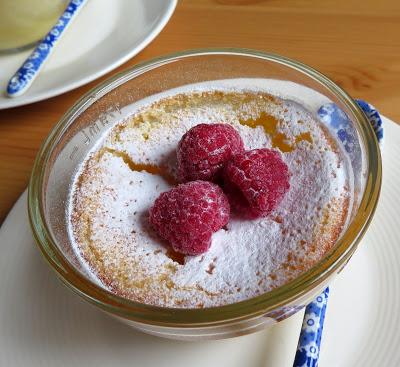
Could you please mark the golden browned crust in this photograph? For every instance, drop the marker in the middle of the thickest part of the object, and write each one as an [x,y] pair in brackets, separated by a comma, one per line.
[161,288]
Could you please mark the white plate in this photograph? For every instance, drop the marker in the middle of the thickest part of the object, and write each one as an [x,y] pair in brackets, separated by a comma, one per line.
[43,324]
[363,315]
[104,35]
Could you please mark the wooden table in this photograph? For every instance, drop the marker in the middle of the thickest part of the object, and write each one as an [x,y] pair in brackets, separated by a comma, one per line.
[354,42]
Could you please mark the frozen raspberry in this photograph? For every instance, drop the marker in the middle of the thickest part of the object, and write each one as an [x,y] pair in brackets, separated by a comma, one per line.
[187,216]
[204,149]
[256,181]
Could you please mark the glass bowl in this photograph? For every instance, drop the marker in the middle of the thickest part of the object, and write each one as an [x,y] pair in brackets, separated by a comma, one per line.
[76,133]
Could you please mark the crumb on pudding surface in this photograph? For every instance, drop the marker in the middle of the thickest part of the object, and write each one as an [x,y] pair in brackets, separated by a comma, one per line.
[136,161]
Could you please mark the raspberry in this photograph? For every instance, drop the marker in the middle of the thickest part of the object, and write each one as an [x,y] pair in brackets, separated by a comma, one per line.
[204,149]
[187,216]
[256,181]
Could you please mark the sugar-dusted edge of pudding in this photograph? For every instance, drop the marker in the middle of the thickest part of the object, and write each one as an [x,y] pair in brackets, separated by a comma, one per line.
[169,287]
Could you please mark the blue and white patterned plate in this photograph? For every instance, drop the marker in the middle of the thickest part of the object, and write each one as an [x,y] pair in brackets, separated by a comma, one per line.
[88,51]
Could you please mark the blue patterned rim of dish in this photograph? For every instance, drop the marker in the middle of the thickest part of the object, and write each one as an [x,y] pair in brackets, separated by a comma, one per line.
[307,353]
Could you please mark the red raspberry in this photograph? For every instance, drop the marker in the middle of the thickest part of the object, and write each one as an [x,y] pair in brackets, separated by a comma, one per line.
[204,149]
[256,181]
[187,216]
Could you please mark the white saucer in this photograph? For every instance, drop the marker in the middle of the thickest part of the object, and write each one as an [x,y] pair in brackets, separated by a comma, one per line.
[104,35]
[43,324]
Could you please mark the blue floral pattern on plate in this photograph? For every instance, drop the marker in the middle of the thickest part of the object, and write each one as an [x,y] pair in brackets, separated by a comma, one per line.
[26,74]
[307,353]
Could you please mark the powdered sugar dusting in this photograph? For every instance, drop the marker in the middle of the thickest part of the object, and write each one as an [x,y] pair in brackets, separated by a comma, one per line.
[110,202]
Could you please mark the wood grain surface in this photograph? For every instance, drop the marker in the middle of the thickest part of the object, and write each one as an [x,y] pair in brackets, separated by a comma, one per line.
[355,42]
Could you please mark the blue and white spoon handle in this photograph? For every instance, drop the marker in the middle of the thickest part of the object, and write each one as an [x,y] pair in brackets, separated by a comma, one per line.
[307,353]
[30,69]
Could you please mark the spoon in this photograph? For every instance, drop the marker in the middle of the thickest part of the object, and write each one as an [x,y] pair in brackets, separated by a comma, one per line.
[307,353]
[30,69]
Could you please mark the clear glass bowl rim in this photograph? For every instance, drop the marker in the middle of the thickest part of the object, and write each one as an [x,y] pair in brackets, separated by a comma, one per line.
[206,317]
